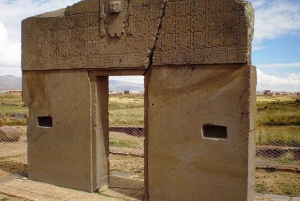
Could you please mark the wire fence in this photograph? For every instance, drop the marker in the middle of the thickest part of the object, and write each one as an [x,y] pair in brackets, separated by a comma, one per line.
[12,141]
[278,149]
[126,140]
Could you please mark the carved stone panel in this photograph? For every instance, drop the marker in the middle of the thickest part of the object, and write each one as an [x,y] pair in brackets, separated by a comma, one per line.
[210,27]
[185,28]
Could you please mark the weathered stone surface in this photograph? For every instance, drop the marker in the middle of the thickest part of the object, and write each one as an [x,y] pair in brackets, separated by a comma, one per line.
[87,35]
[277,197]
[205,32]
[182,163]
[62,154]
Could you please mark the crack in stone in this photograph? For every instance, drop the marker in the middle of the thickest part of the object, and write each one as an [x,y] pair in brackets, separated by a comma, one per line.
[37,138]
[151,52]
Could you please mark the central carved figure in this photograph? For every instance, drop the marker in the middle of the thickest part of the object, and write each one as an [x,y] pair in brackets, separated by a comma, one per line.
[115,6]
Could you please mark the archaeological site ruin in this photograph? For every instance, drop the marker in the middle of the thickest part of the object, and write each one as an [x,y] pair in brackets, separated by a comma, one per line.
[195,56]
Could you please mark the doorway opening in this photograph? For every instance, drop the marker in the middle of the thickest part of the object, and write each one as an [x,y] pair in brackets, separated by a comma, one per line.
[126,134]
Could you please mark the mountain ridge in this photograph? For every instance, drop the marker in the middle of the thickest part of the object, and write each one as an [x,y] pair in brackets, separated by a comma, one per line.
[10,82]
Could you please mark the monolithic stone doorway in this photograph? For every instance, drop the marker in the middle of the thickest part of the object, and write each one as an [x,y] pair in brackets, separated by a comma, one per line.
[199,94]
[102,127]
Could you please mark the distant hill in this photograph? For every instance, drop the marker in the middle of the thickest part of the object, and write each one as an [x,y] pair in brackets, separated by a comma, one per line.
[11,82]
[120,86]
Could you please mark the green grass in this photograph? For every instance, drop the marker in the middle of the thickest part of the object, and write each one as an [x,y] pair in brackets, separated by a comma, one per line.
[120,143]
[120,140]
[127,117]
[11,99]
[13,109]
[278,121]
[278,112]
[286,159]
[16,122]
[278,135]
[10,104]
[125,102]
[123,143]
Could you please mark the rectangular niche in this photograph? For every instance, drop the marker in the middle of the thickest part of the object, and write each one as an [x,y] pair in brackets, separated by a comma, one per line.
[214,132]
[45,122]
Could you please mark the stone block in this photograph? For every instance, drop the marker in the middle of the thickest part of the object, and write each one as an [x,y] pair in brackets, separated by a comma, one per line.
[88,35]
[60,133]
[184,162]
[277,197]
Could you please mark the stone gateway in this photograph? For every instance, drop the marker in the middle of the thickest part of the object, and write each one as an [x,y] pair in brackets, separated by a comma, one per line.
[200,104]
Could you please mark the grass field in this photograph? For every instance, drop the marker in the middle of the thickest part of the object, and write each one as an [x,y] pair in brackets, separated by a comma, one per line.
[278,136]
[117,102]
[126,110]
[278,117]
[278,111]
[122,140]
[278,121]
[278,183]
[11,104]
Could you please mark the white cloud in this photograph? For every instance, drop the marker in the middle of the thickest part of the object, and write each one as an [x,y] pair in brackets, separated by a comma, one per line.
[280,65]
[11,15]
[275,19]
[14,12]
[257,48]
[3,38]
[290,83]
[10,53]
[6,70]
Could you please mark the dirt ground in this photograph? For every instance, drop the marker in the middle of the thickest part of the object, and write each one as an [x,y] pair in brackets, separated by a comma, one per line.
[267,182]
[131,165]
[13,157]
[278,183]
[127,174]
[13,165]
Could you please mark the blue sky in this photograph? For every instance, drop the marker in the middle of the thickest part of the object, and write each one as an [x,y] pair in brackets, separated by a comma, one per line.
[276,44]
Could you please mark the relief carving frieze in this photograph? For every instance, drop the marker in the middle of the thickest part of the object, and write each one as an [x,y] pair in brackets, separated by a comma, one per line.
[131,33]
[210,27]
